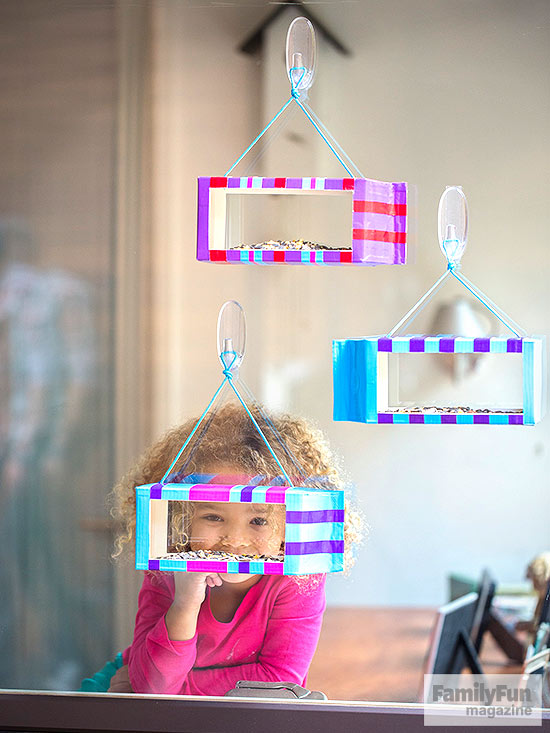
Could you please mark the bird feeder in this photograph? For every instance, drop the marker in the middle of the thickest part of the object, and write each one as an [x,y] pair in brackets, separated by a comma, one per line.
[185,522]
[304,220]
[368,371]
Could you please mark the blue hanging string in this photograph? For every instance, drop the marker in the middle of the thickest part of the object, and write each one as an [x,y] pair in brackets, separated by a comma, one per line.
[453,268]
[266,128]
[295,96]
[192,433]
[228,379]
[494,309]
[321,133]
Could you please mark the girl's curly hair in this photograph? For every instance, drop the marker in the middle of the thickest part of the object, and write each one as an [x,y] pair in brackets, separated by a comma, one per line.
[232,444]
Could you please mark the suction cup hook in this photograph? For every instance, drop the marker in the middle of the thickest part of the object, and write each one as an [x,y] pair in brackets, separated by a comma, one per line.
[452,224]
[231,335]
[301,55]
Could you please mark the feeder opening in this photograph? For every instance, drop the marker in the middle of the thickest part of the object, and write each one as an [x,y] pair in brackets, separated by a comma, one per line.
[217,531]
[281,220]
[451,383]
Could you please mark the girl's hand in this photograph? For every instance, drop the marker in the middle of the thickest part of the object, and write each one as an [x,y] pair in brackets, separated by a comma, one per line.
[181,618]
[191,588]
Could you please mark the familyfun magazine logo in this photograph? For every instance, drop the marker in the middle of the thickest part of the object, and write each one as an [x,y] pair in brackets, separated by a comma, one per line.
[498,699]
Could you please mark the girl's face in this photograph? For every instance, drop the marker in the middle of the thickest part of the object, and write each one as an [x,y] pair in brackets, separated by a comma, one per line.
[240,529]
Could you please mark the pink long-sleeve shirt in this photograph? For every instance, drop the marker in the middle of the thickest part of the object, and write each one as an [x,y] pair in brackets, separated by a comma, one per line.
[272,637]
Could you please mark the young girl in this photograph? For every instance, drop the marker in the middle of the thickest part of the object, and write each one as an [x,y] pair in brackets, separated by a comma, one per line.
[199,633]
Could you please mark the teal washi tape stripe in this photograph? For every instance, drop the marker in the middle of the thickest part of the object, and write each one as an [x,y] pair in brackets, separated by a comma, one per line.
[256,566]
[464,419]
[232,566]
[256,182]
[173,493]
[258,494]
[314,532]
[319,184]
[321,563]
[464,346]
[258,255]
[401,345]
[244,256]
[432,419]
[400,419]
[243,182]
[498,420]
[498,345]
[528,382]
[172,565]
[431,345]
[311,502]
[235,493]
[305,256]
[142,528]
[306,183]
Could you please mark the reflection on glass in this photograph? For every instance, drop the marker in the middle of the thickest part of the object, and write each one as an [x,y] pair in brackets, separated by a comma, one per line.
[55,350]
[224,531]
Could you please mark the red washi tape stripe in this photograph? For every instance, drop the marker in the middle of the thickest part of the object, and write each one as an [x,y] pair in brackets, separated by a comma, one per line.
[377,207]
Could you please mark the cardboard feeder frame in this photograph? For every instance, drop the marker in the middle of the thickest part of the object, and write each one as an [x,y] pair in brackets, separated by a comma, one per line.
[314,528]
[362,385]
[378,231]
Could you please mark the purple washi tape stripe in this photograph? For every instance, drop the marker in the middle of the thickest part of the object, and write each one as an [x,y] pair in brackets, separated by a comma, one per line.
[481,345]
[384,418]
[268,183]
[515,419]
[313,548]
[380,191]
[334,184]
[203,197]
[446,346]
[207,566]
[233,255]
[417,345]
[233,182]
[384,344]
[400,253]
[400,193]
[246,493]
[155,491]
[416,419]
[372,252]
[331,256]
[275,495]
[268,256]
[359,220]
[360,190]
[481,420]
[380,222]
[317,515]
[293,256]
[448,419]
[273,568]
[244,567]
[514,346]
[294,183]
[154,564]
